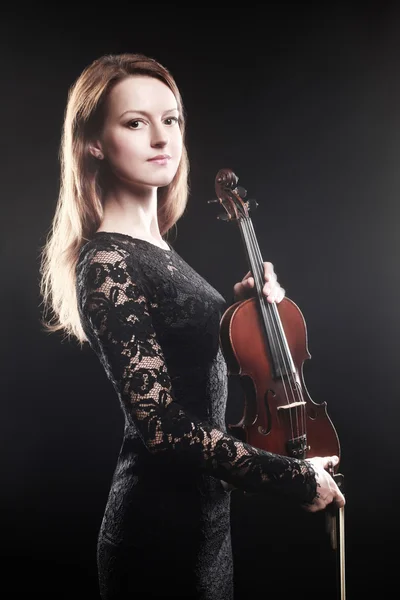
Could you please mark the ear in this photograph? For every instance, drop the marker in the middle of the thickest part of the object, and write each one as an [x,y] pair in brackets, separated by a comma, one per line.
[96,150]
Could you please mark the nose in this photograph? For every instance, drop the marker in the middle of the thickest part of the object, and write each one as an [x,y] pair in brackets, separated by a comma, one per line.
[159,137]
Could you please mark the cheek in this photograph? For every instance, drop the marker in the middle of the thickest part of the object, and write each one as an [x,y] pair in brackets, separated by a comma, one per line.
[178,145]
[120,146]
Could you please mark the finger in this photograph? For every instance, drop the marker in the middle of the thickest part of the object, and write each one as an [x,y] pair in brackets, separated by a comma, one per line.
[246,276]
[340,499]
[336,495]
[269,272]
[326,499]
[269,294]
[267,289]
[280,295]
[273,293]
[330,461]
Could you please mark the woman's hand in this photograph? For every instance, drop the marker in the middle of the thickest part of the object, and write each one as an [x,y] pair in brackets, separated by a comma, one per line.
[328,490]
[272,291]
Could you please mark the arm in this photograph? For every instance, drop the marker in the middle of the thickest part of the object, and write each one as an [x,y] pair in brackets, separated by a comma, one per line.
[115,313]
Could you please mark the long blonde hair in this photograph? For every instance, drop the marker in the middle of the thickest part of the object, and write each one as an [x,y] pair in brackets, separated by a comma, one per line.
[79,209]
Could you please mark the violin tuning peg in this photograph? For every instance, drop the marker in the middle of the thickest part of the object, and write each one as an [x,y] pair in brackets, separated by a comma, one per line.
[241,191]
[223,217]
[212,201]
[252,203]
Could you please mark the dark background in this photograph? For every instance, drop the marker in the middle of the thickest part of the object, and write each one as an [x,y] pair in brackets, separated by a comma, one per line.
[303,103]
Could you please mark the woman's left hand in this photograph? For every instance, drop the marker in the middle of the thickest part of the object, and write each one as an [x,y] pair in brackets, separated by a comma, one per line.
[272,291]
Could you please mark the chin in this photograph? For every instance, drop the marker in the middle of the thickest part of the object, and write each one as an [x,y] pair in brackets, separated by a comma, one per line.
[164,181]
[160,180]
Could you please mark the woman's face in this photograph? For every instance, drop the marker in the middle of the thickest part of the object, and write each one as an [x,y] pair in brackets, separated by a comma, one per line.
[141,124]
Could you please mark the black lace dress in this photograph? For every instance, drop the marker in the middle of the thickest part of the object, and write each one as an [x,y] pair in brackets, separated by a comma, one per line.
[154,324]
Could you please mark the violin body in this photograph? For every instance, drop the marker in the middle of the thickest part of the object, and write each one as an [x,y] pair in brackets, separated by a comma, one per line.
[270,421]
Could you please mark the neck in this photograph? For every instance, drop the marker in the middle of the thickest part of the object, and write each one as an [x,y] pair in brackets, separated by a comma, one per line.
[131,211]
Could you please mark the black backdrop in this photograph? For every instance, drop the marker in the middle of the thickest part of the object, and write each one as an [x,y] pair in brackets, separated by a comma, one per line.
[302,102]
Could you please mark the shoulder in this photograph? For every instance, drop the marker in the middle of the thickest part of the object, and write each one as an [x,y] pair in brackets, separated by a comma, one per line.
[101,249]
[103,261]
[106,253]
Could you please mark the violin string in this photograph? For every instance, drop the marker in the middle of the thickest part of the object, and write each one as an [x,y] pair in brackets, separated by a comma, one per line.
[266,306]
[297,393]
[276,327]
[274,340]
[287,362]
[295,387]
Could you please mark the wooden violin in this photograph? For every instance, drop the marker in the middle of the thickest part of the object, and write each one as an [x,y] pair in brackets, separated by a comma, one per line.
[266,345]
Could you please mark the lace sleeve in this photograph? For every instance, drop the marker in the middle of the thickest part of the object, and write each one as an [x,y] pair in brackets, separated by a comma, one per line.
[115,311]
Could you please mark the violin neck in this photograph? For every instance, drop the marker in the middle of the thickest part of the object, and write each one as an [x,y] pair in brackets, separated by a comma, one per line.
[281,358]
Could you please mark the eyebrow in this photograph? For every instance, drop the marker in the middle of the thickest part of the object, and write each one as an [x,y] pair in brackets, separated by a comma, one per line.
[146,114]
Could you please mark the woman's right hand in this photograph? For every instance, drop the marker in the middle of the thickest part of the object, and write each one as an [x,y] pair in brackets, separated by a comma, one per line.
[327,487]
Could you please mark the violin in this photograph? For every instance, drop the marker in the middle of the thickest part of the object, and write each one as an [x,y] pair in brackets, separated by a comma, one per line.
[266,345]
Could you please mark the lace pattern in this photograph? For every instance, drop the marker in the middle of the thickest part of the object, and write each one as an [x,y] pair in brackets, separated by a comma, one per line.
[152,321]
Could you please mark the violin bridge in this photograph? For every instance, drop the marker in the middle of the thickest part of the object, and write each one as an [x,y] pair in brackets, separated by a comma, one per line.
[291,405]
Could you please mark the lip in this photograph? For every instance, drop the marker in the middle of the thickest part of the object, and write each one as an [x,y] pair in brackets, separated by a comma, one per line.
[161,158]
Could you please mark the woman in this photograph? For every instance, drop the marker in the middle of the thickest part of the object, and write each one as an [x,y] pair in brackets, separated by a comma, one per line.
[112,280]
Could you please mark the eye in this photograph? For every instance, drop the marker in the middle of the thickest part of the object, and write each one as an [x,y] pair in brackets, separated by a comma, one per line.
[135,124]
[171,120]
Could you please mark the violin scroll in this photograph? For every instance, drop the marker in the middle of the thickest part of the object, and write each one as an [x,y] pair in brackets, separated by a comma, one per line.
[231,195]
